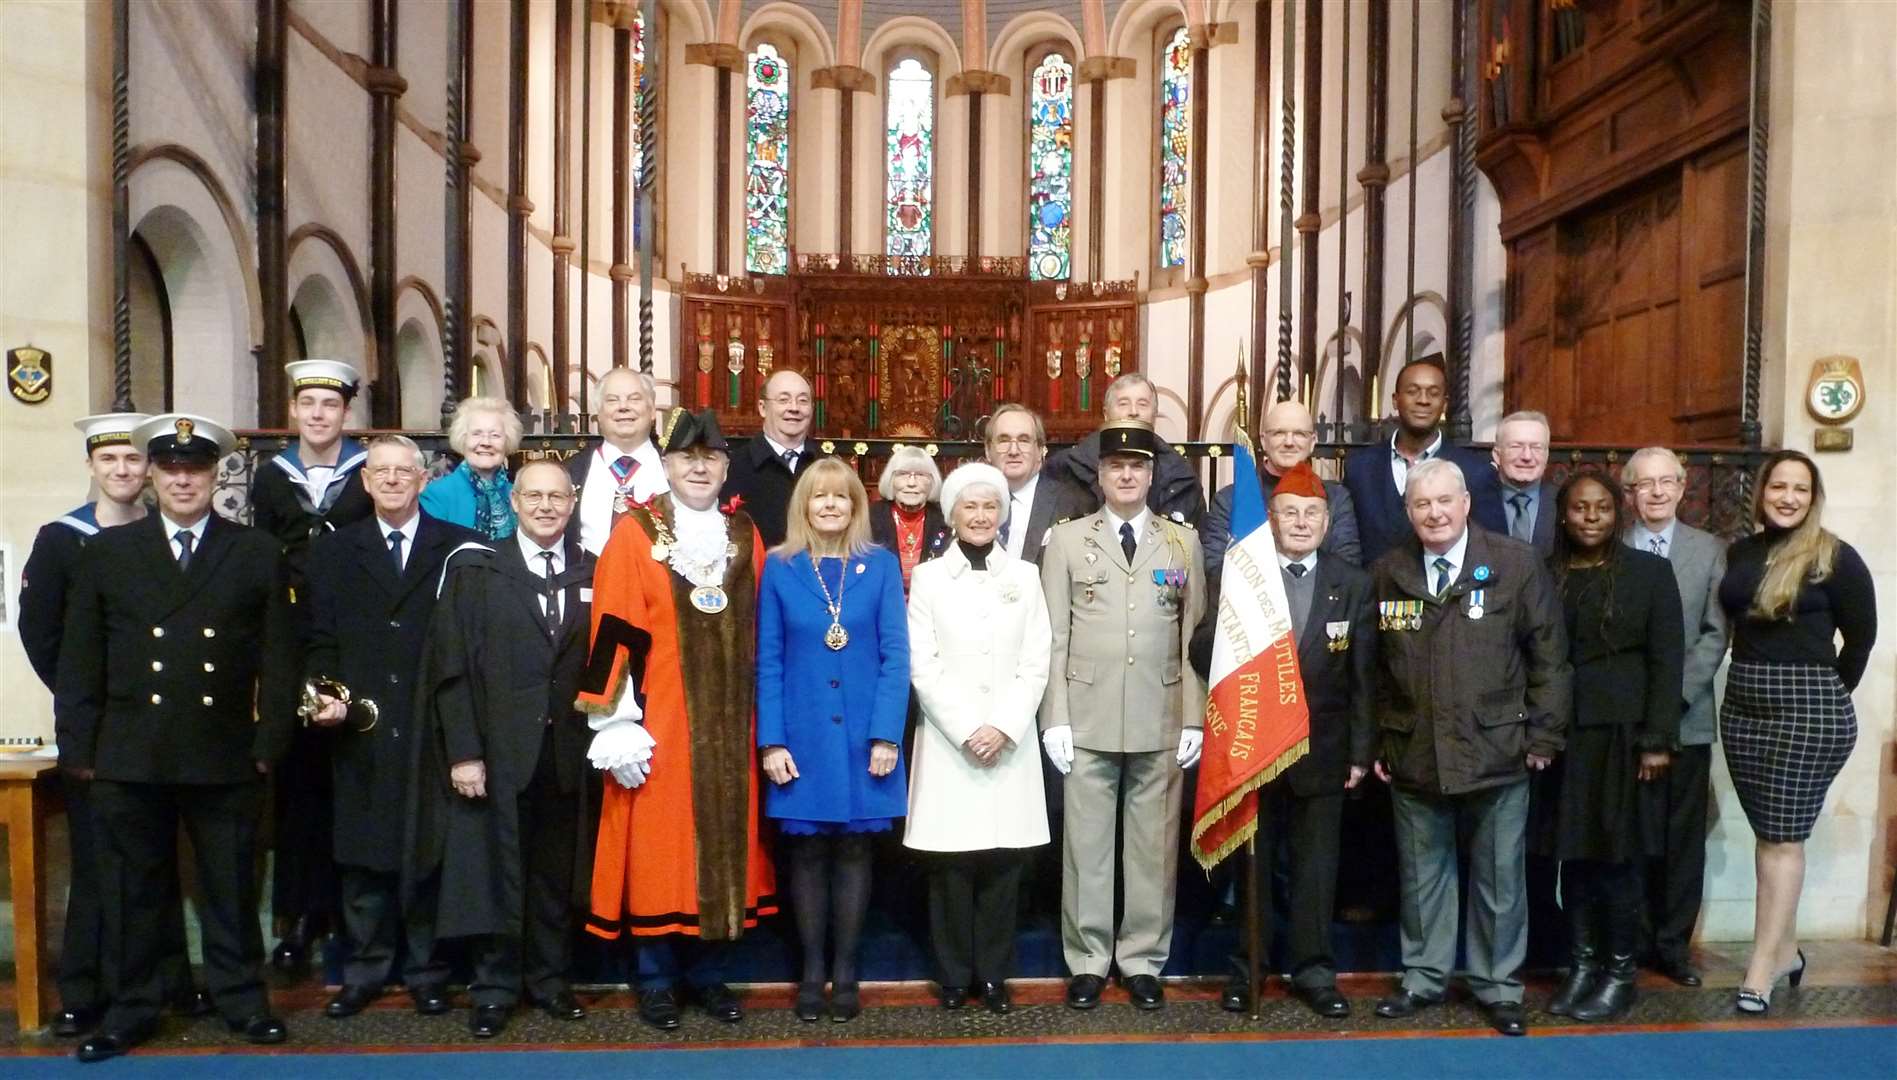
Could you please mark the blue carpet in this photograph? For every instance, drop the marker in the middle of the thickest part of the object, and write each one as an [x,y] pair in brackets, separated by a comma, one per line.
[1831,1053]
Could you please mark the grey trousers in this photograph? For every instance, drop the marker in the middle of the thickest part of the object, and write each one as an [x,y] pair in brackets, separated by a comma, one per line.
[1489,826]
[1149,821]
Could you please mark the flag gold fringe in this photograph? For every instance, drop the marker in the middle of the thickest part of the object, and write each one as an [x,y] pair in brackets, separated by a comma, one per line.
[1292,755]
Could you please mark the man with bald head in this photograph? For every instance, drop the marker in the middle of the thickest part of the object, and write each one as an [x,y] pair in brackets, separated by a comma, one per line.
[763,471]
[623,470]
[1285,442]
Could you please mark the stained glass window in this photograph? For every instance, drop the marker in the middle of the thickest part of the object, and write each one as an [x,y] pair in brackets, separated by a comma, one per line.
[767,163]
[1051,168]
[1175,145]
[909,136]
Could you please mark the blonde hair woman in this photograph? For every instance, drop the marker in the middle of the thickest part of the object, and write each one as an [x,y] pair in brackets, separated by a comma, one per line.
[1788,724]
[478,494]
[832,691]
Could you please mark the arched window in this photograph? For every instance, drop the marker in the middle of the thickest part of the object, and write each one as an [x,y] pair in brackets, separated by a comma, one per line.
[1175,146]
[909,160]
[767,162]
[1051,168]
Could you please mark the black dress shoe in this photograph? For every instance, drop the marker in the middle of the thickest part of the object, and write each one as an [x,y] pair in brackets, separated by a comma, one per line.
[194,1003]
[1507,1017]
[72,1023]
[719,1003]
[292,954]
[809,1003]
[1146,992]
[102,1045]
[1403,1003]
[487,1021]
[995,998]
[1679,969]
[1083,991]
[1236,997]
[349,1001]
[1325,1001]
[846,1003]
[954,997]
[659,1008]
[262,1029]
[430,1000]
[562,1005]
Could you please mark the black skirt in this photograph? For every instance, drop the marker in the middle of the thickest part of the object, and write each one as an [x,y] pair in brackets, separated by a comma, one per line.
[1787,729]
[1586,805]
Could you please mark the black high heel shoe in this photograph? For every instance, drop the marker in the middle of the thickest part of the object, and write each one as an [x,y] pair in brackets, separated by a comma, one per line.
[1759,1002]
[809,1002]
[1797,974]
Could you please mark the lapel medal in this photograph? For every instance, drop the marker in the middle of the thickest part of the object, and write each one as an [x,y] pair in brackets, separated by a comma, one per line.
[710,599]
[1339,635]
[1475,602]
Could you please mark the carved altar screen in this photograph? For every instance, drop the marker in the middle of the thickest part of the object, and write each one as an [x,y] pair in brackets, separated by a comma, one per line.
[905,352]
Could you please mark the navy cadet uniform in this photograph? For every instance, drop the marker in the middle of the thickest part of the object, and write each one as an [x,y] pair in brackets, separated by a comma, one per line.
[297,502]
[177,677]
[44,585]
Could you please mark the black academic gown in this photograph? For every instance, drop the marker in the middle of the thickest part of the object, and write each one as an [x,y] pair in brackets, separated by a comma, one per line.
[491,677]
[367,630]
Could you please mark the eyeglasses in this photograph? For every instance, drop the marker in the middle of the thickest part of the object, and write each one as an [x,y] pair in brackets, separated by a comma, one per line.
[908,474]
[1663,483]
[1010,442]
[393,472]
[532,499]
[1290,433]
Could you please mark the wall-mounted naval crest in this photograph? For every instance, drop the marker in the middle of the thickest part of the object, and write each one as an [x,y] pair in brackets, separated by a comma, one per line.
[30,374]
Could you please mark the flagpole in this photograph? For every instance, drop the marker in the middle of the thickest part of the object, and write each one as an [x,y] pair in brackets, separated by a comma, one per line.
[1253,948]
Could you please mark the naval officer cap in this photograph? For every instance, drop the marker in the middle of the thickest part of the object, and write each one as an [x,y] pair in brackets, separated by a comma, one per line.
[108,429]
[685,429]
[323,375]
[1134,437]
[183,439]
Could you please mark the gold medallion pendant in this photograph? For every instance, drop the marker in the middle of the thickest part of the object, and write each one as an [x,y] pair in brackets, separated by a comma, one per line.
[836,637]
[709,599]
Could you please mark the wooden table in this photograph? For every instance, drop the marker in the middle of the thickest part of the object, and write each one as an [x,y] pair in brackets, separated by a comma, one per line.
[23,811]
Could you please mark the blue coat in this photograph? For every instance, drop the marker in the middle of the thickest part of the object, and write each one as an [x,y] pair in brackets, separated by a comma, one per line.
[451,499]
[826,706]
[1382,522]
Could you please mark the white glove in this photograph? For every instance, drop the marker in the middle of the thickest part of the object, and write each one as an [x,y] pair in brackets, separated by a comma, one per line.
[623,748]
[1190,740]
[1059,743]
[627,709]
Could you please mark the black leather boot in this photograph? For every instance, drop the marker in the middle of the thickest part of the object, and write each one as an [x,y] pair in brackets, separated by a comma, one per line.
[1584,965]
[1613,993]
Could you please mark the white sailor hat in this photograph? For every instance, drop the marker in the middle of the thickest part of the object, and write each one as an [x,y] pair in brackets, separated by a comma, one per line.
[323,375]
[108,429]
[183,438]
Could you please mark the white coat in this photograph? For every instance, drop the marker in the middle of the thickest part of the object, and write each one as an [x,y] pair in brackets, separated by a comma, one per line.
[979,643]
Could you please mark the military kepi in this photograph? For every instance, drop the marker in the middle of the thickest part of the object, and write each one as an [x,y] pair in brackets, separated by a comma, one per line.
[183,439]
[685,429]
[323,375]
[1128,437]
[108,429]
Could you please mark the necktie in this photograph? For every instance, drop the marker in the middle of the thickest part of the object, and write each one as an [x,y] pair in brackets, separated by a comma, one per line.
[1443,567]
[550,596]
[1014,507]
[790,460]
[185,539]
[1127,543]
[1657,545]
[624,468]
[1518,526]
[1297,569]
[622,479]
[395,550]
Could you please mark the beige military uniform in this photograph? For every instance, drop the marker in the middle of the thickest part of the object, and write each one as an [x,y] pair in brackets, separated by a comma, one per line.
[1120,679]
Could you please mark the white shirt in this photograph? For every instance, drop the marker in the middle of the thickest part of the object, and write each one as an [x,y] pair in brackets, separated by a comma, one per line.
[1456,553]
[1309,562]
[1020,508]
[1114,521]
[533,553]
[172,529]
[1400,465]
[780,449]
[600,487]
[1643,537]
[408,529]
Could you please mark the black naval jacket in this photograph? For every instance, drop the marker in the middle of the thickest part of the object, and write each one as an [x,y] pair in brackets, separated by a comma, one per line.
[281,506]
[169,676]
[44,583]
[367,629]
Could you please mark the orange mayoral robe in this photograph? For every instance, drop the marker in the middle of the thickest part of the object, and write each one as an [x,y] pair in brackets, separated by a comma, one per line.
[680,854]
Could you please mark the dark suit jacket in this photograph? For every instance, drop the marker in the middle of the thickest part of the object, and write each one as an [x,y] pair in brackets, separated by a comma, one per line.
[1215,532]
[936,535]
[168,676]
[1627,665]
[760,477]
[44,583]
[1382,522]
[1547,516]
[367,629]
